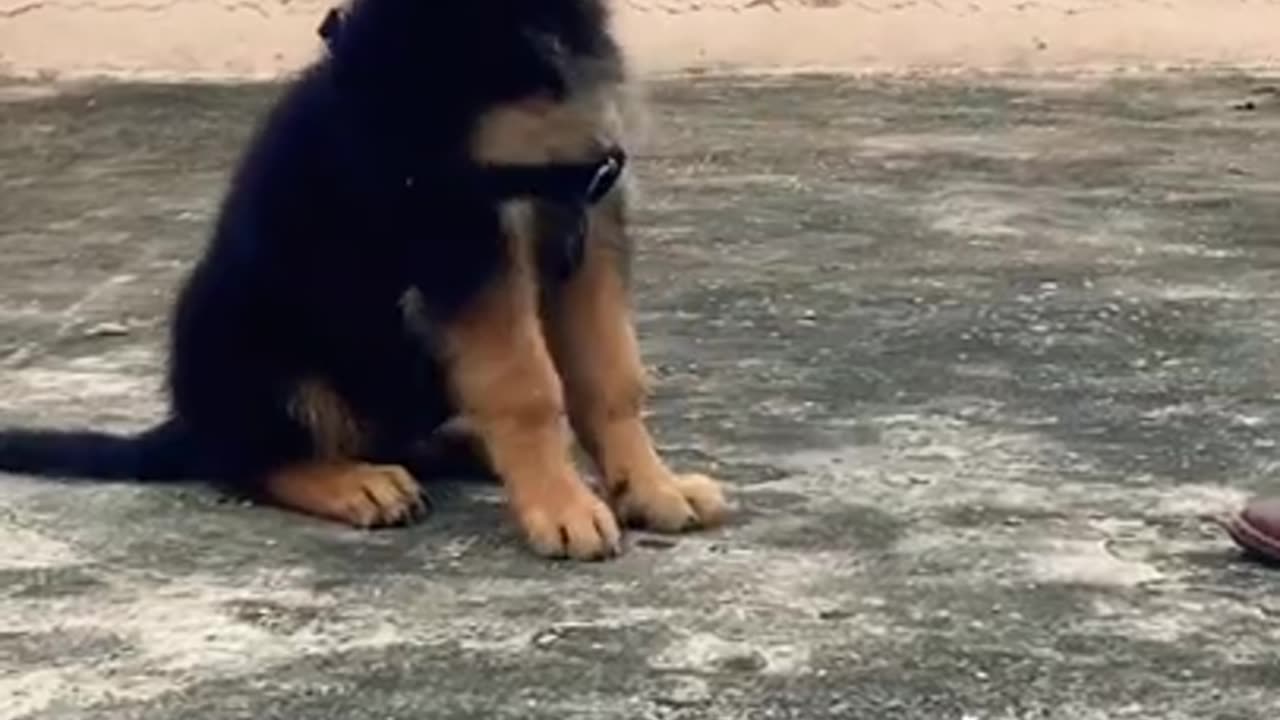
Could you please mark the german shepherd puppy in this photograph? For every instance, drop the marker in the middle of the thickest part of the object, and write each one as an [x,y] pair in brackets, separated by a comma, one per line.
[364,286]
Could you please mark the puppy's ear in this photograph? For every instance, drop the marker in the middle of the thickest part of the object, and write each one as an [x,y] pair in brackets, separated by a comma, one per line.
[330,26]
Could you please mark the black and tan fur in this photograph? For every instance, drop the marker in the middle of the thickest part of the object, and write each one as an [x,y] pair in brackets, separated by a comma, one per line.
[361,290]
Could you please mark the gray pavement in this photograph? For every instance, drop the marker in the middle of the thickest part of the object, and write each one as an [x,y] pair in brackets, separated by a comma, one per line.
[975,357]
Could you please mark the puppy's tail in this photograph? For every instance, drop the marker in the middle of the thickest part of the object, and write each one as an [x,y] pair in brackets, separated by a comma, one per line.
[164,452]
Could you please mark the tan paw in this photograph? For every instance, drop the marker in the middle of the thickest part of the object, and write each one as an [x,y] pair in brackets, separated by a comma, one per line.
[673,504]
[364,496]
[574,523]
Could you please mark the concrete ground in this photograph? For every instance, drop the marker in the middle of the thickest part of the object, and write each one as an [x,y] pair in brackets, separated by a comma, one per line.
[975,357]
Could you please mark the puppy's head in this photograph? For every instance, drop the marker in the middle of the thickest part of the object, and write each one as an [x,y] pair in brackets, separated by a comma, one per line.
[476,52]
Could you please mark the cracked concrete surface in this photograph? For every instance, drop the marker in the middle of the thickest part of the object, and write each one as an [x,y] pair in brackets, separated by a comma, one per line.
[976,357]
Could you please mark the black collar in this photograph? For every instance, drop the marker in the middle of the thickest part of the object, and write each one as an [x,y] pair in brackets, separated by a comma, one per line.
[584,183]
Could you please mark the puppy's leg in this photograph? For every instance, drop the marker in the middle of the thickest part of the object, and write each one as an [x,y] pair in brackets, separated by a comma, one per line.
[595,347]
[333,485]
[506,386]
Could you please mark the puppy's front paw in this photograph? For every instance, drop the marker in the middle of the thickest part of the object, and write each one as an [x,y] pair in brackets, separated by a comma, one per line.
[573,523]
[671,503]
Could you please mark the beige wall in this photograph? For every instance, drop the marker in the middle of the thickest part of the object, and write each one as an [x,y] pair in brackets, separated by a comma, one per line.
[262,38]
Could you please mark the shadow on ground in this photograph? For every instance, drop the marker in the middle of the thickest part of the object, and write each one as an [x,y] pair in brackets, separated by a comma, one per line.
[976,357]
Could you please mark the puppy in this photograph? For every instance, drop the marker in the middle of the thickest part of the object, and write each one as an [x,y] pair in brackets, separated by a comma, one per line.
[379,267]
